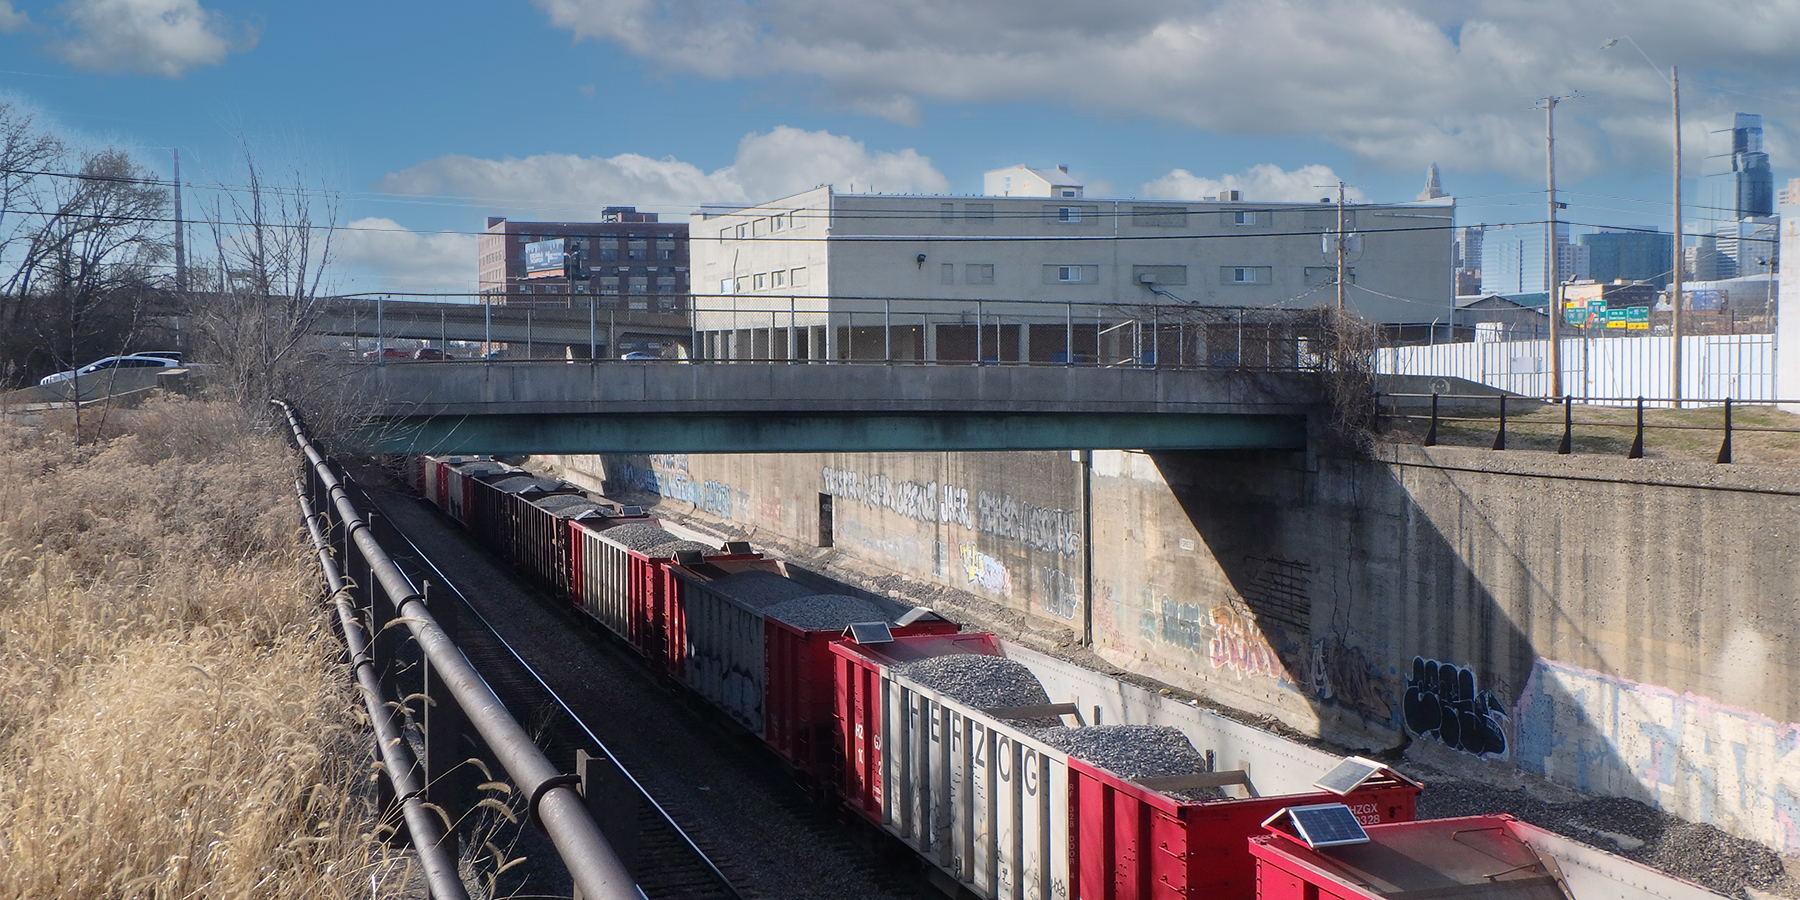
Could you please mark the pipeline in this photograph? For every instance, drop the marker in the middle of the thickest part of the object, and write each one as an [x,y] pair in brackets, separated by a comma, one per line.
[555,804]
[397,758]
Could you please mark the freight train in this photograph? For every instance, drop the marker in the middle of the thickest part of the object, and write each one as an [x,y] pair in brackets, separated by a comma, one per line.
[1012,773]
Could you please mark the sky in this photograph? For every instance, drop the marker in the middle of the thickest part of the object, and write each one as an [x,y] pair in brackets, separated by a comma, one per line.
[417,121]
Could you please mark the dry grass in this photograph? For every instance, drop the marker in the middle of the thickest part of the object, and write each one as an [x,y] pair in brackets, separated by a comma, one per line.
[1684,434]
[174,717]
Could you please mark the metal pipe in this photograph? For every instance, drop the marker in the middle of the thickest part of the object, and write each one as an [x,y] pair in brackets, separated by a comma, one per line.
[559,809]
[397,757]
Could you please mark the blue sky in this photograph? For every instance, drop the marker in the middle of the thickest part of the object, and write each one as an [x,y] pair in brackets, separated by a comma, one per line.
[427,118]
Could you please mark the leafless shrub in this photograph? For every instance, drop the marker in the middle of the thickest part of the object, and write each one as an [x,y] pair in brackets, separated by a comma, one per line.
[1345,352]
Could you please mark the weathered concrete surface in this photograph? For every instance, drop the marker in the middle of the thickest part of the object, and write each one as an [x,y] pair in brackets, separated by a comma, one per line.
[1626,628]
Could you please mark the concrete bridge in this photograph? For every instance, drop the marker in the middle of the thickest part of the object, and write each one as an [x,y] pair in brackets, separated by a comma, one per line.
[584,322]
[667,407]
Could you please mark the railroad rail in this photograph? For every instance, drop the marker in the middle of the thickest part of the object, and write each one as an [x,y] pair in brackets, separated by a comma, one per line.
[371,588]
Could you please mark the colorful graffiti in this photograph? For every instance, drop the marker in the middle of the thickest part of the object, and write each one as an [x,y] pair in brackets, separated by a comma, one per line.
[1238,644]
[986,572]
[1446,702]
[1686,754]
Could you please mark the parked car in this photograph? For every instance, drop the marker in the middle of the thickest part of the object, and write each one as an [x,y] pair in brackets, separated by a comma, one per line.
[430,353]
[388,353]
[642,356]
[112,362]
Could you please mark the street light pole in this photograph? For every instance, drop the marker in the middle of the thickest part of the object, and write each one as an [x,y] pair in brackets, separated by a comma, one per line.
[1675,293]
[1553,281]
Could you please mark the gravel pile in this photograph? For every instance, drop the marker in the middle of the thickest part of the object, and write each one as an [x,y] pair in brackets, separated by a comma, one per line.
[670,548]
[638,536]
[826,612]
[984,682]
[1132,751]
[568,505]
[1697,852]
[757,588]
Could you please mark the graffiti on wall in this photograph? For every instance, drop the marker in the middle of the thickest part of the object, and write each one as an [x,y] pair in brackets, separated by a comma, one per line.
[986,572]
[1689,755]
[1000,515]
[1343,675]
[667,477]
[1037,527]
[1446,702]
[1059,593]
[1238,644]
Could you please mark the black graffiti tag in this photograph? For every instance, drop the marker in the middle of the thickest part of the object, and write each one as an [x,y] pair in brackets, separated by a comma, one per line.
[1443,701]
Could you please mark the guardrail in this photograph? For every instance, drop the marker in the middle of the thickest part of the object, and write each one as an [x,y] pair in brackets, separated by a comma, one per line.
[1566,446]
[370,588]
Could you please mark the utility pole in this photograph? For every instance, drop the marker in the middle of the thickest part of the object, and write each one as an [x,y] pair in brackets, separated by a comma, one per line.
[1340,248]
[1553,279]
[1675,292]
[181,282]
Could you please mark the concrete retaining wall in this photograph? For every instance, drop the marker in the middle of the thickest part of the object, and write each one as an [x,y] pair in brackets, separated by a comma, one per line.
[1624,628]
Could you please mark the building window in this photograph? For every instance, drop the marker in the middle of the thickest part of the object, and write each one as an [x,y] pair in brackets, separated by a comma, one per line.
[725,285]
[979,273]
[1244,275]
[665,284]
[609,284]
[978,212]
[1244,217]
[760,282]
[779,278]
[1071,274]
[1070,214]
[778,223]
[666,254]
[798,276]
[947,212]
[640,284]
[724,235]
[743,230]
[1068,192]
[606,254]
[638,249]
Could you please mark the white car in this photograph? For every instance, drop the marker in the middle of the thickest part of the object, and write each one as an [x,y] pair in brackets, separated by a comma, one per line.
[113,362]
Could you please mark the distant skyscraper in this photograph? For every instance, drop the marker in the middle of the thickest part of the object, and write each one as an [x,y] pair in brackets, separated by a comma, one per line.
[1631,255]
[1744,185]
[1515,259]
[1432,191]
[1468,259]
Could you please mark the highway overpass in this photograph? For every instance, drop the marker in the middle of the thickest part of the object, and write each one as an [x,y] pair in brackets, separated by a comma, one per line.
[655,407]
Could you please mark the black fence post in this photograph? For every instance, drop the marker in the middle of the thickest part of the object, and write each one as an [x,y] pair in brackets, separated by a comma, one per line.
[613,802]
[1725,448]
[1637,444]
[1431,435]
[1500,436]
[1568,439]
[448,783]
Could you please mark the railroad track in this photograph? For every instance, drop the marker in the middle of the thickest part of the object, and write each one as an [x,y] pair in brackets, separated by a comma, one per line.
[688,844]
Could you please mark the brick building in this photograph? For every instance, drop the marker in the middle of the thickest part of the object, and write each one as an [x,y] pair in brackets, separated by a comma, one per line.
[630,262]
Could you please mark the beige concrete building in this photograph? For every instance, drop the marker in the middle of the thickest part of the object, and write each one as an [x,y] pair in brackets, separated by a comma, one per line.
[823,274]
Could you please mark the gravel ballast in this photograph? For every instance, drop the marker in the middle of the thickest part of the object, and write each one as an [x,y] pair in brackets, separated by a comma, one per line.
[826,612]
[1132,751]
[638,536]
[984,682]
[757,589]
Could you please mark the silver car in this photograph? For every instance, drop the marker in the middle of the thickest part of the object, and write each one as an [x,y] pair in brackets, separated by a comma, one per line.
[112,362]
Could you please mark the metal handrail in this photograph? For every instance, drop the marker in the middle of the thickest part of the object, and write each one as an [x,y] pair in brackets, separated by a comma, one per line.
[555,804]
[397,758]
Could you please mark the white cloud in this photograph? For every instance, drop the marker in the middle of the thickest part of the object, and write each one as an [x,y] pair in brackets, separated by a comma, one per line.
[11,20]
[1398,82]
[150,37]
[408,259]
[781,162]
[1263,183]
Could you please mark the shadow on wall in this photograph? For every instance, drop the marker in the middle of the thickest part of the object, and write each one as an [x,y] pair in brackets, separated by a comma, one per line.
[1345,594]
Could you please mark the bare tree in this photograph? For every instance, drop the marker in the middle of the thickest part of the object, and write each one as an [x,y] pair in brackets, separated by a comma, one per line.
[272,252]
